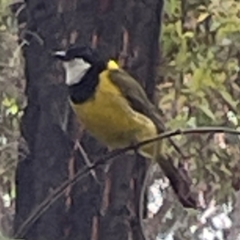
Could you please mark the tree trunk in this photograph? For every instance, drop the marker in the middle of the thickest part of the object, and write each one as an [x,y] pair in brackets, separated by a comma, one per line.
[103,209]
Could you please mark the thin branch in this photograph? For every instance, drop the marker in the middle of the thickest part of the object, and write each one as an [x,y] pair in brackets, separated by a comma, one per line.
[198,130]
[86,159]
[36,36]
[58,192]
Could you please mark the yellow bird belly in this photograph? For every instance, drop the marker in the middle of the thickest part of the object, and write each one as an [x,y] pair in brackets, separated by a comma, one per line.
[110,119]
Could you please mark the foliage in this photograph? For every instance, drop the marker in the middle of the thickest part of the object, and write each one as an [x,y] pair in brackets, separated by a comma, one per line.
[11,98]
[200,86]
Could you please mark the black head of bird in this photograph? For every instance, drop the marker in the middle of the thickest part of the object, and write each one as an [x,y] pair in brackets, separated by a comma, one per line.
[77,61]
[86,53]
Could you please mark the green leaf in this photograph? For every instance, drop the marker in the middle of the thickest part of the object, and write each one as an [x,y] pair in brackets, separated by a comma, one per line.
[228,98]
[178,27]
[188,34]
[14,109]
[7,102]
[192,122]
[197,77]
[207,111]
[224,169]
[202,17]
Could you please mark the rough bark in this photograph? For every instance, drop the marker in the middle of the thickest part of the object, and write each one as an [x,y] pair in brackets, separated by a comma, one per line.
[124,29]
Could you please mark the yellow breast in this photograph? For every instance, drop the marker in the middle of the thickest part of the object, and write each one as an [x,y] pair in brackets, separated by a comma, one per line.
[110,119]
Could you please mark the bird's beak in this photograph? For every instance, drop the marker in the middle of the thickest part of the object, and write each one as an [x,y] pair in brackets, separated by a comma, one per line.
[61,55]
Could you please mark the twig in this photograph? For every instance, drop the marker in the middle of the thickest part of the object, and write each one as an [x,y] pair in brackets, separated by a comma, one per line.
[86,159]
[57,193]
[198,130]
[36,36]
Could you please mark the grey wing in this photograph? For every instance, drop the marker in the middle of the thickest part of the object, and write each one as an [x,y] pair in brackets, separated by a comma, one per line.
[136,96]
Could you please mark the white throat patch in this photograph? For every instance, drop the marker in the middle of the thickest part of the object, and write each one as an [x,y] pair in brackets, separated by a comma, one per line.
[75,70]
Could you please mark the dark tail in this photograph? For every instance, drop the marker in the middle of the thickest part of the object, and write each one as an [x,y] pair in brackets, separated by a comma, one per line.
[180,182]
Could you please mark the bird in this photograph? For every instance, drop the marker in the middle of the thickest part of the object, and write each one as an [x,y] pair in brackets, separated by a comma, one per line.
[115,109]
